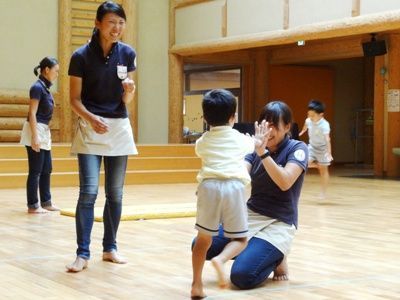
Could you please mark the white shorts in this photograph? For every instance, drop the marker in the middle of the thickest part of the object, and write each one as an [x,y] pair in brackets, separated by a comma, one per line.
[222,201]
[319,155]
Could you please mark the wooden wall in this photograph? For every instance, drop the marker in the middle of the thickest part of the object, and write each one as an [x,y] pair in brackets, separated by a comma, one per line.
[297,85]
[76,23]
[338,37]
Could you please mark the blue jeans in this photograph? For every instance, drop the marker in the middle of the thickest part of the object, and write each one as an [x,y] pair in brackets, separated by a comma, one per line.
[89,173]
[40,168]
[253,265]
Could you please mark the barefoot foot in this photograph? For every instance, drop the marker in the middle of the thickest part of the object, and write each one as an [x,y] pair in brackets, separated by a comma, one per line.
[38,210]
[51,208]
[78,265]
[281,272]
[219,267]
[114,257]
[197,292]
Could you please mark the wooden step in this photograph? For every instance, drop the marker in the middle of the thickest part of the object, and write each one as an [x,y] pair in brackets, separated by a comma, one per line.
[61,150]
[20,165]
[14,110]
[62,179]
[172,163]
[14,97]
[9,136]
[11,123]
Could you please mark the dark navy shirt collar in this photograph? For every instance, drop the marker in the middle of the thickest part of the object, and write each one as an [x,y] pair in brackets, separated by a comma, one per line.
[47,84]
[95,45]
[282,145]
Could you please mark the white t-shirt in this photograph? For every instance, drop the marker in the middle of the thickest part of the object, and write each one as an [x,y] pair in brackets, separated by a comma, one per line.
[222,151]
[317,132]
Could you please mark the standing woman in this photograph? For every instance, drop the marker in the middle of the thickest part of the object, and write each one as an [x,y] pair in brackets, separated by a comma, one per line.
[36,137]
[101,86]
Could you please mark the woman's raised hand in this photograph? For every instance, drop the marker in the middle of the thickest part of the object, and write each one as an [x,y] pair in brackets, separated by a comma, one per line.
[261,135]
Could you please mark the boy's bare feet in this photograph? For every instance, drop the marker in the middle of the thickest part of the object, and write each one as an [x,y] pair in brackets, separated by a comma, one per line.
[281,272]
[114,257]
[51,208]
[197,292]
[78,265]
[219,267]
[38,210]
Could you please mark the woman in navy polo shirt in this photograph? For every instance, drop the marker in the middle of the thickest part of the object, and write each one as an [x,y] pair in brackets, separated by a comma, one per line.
[36,137]
[101,87]
[277,170]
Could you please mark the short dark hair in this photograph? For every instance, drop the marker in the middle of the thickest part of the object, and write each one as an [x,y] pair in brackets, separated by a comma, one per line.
[219,106]
[109,7]
[316,106]
[47,62]
[275,111]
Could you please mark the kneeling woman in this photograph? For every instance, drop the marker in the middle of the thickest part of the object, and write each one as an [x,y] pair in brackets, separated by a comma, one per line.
[277,170]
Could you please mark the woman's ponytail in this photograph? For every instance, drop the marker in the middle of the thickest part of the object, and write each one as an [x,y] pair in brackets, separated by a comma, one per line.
[47,62]
[35,70]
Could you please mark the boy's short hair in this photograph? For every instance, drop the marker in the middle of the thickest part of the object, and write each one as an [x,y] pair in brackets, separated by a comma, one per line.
[316,106]
[218,107]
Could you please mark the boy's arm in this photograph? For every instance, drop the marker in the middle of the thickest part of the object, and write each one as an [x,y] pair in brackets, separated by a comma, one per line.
[303,130]
[329,150]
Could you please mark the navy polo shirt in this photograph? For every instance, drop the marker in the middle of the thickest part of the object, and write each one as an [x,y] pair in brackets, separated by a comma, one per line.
[40,90]
[101,88]
[266,197]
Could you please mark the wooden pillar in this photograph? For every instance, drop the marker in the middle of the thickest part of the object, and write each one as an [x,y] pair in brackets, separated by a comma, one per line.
[379,115]
[131,38]
[260,81]
[64,55]
[286,14]
[393,118]
[175,130]
[368,102]
[355,10]
[175,84]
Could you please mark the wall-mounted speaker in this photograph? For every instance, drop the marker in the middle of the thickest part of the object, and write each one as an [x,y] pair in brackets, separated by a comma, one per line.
[374,48]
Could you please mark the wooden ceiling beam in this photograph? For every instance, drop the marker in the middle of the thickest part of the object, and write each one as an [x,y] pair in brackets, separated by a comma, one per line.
[318,51]
[379,22]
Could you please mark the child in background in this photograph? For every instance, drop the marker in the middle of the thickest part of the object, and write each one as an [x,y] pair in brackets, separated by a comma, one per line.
[221,194]
[320,150]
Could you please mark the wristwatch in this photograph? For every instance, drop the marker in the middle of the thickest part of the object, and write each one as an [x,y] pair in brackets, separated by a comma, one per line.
[265,155]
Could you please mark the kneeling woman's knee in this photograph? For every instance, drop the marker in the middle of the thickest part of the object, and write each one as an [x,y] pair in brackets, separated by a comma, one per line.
[243,279]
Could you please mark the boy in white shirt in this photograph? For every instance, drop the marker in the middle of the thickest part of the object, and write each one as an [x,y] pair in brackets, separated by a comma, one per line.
[221,194]
[320,150]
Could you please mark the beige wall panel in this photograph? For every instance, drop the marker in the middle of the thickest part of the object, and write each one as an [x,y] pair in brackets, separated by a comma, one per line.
[152,71]
[303,12]
[29,32]
[199,22]
[374,6]
[259,15]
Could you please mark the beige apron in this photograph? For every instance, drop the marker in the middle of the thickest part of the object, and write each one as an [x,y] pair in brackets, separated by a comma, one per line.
[43,132]
[117,141]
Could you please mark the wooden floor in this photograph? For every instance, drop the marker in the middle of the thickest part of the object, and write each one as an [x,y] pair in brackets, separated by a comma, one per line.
[347,247]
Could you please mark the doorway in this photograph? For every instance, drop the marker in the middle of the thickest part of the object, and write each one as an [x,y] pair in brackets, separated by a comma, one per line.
[200,79]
